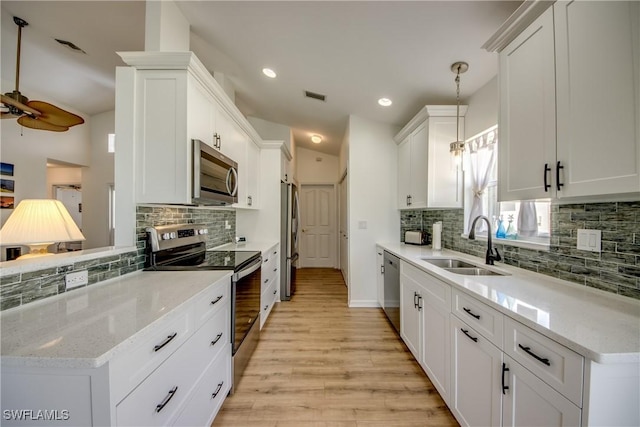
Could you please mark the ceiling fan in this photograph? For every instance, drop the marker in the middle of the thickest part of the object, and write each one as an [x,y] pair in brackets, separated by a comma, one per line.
[34,114]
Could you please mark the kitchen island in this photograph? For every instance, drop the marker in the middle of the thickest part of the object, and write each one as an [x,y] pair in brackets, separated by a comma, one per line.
[139,349]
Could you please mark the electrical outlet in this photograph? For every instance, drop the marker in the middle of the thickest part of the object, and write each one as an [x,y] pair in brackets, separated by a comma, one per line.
[227,226]
[75,279]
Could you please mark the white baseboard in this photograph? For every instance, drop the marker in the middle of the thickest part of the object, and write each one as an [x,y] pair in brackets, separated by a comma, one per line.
[364,303]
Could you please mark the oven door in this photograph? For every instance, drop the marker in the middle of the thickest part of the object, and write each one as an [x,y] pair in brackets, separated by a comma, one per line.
[215,176]
[245,309]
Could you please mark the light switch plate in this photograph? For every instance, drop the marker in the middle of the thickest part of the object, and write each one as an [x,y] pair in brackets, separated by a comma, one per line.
[589,240]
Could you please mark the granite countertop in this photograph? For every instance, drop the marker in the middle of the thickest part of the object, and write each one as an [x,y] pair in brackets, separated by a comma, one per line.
[601,326]
[85,328]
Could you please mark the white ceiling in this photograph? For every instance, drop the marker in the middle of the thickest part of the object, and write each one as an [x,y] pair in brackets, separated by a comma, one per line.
[354,52]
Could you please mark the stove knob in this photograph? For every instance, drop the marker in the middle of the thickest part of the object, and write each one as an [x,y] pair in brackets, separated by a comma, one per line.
[166,236]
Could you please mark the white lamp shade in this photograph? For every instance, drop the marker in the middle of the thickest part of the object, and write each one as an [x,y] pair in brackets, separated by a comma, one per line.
[39,221]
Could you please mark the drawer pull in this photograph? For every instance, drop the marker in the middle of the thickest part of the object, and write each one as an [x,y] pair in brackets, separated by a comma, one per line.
[535,356]
[166,400]
[274,292]
[215,393]
[504,369]
[466,332]
[216,339]
[217,299]
[275,269]
[266,260]
[165,342]
[470,313]
[265,307]
[266,280]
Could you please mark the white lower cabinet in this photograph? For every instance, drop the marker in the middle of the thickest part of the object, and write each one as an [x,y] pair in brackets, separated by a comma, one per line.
[178,373]
[476,367]
[529,401]
[424,324]
[411,309]
[270,276]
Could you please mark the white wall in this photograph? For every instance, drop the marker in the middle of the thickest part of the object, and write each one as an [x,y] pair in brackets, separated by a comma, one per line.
[95,183]
[273,131]
[62,176]
[482,112]
[317,168]
[166,28]
[372,167]
[28,150]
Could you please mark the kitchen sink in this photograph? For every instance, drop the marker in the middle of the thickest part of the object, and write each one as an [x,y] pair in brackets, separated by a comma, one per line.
[473,271]
[449,263]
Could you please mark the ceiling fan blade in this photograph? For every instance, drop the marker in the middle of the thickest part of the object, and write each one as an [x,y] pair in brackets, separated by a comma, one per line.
[38,124]
[56,116]
[9,101]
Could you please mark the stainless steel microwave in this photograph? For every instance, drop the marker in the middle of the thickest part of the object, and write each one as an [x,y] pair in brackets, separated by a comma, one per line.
[215,176]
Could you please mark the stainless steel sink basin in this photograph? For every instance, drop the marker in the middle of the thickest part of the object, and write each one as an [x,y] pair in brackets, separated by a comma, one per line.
[449,263]
[473,271]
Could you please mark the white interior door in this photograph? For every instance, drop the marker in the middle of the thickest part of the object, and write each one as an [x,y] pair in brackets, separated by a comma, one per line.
[344,232]
[71,198]
[318,213]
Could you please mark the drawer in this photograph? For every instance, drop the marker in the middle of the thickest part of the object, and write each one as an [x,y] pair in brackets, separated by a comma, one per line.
[160,397]
[552,362]
[484,319]
[267,300]
[212,300]
[130,369]
[209,394]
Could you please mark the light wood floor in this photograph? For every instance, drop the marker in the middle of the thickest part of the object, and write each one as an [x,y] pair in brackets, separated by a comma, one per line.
[322,364]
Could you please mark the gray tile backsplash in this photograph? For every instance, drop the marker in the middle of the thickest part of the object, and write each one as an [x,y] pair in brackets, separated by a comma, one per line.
[616,269]
[18,289]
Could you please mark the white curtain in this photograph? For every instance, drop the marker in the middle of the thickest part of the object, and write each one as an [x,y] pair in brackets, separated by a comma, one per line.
[482,157]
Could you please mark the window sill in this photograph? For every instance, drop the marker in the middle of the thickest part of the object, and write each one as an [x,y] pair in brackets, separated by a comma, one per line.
[536,246]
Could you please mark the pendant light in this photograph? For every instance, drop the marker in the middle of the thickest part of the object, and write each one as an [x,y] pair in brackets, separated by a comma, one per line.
[456,148]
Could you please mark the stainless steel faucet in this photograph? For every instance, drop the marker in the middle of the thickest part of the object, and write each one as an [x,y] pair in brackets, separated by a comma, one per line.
[490,257]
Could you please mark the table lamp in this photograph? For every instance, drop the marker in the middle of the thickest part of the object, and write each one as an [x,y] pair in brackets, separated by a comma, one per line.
[38,223]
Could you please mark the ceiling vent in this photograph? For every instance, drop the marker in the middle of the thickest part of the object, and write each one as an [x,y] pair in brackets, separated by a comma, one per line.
[313,95]
[70,45]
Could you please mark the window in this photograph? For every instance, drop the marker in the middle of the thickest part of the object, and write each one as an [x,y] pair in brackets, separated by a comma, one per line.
[520,221]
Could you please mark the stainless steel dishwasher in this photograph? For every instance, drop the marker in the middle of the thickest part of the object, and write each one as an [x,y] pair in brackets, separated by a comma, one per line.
[392,289]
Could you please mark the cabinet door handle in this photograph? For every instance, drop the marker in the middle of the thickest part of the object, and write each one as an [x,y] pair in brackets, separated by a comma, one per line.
[249,201]
[216,300]
[215,393]
[547,170]
[265,307]
[274,292]
[535,356]
[166,400]
[466,332]
[165,342]
[504,387]
[419,302]
[216,339]
[558,183]
[382,269]
[471,313]
[275,269]
[415,300]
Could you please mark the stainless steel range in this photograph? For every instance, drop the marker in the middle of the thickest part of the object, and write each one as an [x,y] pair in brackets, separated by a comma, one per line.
[183,247]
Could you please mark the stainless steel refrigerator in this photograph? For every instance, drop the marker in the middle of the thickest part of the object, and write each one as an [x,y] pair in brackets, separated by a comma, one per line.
[289,239]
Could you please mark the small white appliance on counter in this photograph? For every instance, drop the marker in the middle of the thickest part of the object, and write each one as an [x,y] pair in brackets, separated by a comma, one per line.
[416,237]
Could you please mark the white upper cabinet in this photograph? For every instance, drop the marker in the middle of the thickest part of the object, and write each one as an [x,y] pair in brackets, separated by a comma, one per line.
[176,100]
[569,103]
[427,177]
[598,87]
[527,123]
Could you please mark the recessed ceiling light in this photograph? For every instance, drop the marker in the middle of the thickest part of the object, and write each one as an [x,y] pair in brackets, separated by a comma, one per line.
[269,73]
[385,102]
[316,139]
